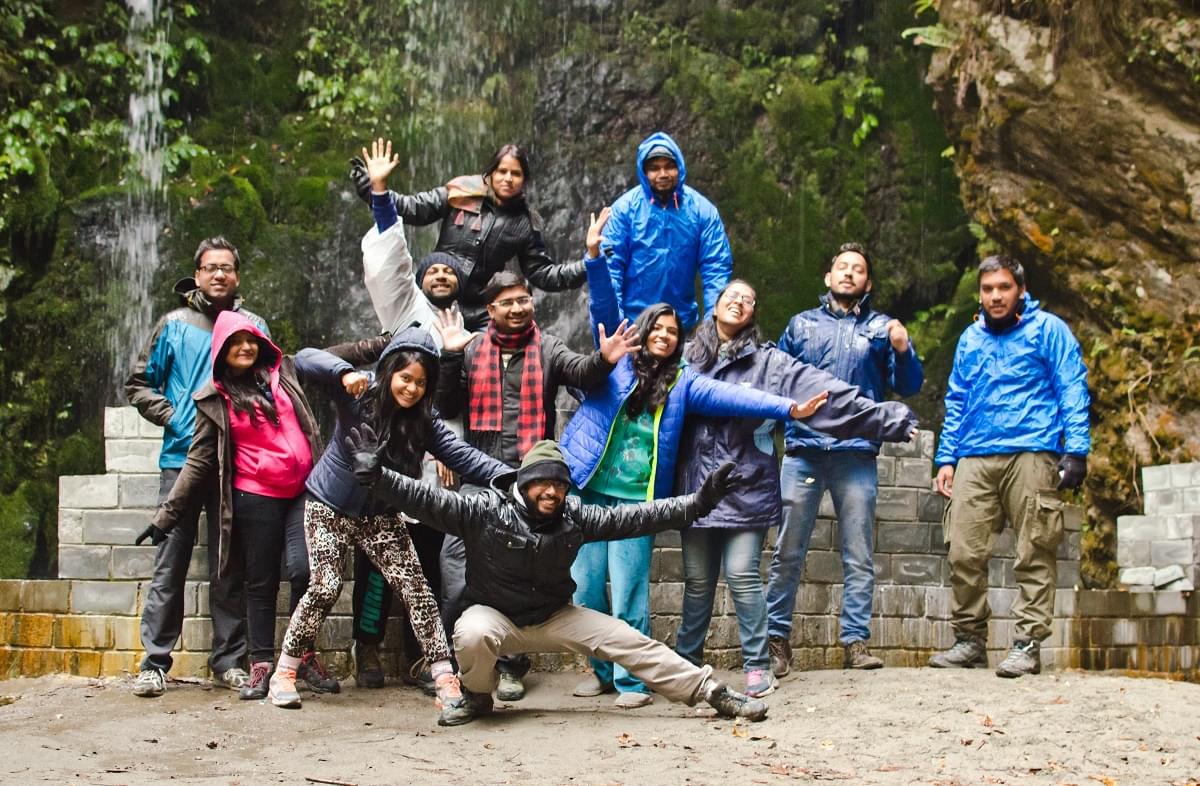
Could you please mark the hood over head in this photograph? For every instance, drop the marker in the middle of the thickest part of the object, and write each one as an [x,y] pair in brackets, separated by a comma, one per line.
[230,322]
[652,144]
[414,338]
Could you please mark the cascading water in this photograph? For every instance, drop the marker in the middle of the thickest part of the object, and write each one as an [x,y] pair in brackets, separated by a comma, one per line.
[135,248]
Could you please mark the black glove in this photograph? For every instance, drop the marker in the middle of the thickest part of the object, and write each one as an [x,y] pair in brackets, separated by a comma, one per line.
[153,533]
[360,179]
[363,447]
[1071,471]
[719,482]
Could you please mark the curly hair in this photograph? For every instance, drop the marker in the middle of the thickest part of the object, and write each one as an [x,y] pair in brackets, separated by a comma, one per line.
[654,375]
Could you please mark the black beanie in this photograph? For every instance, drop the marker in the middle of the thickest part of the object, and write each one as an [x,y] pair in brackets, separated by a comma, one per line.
[544,461]
[440,258]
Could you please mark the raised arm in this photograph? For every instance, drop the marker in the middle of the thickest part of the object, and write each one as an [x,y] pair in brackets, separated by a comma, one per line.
[147,377]
[647,518]
[541,269]
[905,373]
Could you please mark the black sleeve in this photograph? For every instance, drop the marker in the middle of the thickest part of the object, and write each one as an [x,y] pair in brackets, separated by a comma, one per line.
[635,519]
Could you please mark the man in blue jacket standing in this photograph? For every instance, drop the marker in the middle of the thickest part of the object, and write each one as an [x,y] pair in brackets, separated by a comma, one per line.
[867,348]
[660,234]
[1015,433]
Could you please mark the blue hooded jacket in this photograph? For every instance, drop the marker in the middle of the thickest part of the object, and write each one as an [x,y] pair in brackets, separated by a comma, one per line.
[1023,389]
[331,480]
[855,348]
[654,250]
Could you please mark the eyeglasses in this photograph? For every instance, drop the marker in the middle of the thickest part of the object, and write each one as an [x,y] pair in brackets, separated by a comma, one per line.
[738,297]
[214,269]
[509,302]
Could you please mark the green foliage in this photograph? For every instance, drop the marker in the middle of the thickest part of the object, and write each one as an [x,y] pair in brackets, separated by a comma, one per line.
[935,36]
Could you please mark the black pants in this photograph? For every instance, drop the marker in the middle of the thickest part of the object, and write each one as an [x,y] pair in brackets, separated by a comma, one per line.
[266,529]
[373,598]
[162,612]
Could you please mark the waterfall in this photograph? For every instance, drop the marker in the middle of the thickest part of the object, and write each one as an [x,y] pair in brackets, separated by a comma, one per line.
[134,251]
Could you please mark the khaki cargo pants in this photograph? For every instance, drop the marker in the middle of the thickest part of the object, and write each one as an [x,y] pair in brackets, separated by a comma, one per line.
[989,490]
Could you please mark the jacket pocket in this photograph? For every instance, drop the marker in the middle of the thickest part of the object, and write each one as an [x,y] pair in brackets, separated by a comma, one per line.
[1045,519]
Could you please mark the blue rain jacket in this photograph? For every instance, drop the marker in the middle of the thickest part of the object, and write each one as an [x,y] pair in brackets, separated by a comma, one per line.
[1020,390]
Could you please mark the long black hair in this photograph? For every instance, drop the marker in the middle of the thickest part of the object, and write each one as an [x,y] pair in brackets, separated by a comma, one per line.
[705,345]
[404,432]
[249,392]
[654,376]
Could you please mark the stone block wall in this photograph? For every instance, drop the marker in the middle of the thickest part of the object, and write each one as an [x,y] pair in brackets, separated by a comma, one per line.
[1161,549]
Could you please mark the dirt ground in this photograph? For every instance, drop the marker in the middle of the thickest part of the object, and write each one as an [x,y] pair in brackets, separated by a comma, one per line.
[893,726]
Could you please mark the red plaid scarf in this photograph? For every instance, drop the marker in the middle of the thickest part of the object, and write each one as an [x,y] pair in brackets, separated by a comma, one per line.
[486,408]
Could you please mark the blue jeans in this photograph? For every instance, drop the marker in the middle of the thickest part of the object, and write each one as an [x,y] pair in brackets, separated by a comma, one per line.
[625,565]
[852,480]
[704,550]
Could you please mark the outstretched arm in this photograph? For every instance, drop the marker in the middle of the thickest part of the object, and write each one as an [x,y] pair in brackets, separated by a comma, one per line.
[647,518]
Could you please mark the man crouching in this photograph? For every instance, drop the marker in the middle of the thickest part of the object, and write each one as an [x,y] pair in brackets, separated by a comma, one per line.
[521,538]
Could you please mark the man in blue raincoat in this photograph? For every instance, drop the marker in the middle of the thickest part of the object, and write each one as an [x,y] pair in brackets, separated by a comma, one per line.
[1015,433]
[660,234]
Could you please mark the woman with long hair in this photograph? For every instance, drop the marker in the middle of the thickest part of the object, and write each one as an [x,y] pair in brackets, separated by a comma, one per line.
[398,406]
[485,222]
[727,346]
[253,446]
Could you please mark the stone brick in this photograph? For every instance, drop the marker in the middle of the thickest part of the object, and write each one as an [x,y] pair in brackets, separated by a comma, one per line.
[825,509]
[133,562]
[669,539]
[1164,502]
[822,535]
[84,664]
[115,526]
[83,562]
[131,455]
[197,634]
[1136,529]
[1064,603]
[885,469]
[198,567]
[900,601]
[1182,475]
[666,565]
[1073,518]
[1142,575]
[1170,603]
[335,632]
[10,594]
[83,632]
[1068,574]
[120,422]
[928,442]
[896,504]
[138,491]
[823,566]
[883,568]
[148,430]
[38,662]
[916,569]
[814,599]
[1156,478]
[1001,599]
[1182,526]
[126,632]
[930,506]
[190,664]
[1000,572]
[1179,585]
[52,596]
[115,663]
[914,472]
[87,491]
[1171,552]
[1164,576]
[902,537]
[33,630]
[1133,553]
[1102,603]
[939,603]
[104,597]
[1068,547]
[1005,543]
[70,525]
[910,449]
[815,629]
[201,597]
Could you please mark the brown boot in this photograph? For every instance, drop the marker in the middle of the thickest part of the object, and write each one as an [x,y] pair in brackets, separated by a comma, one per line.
[859,657]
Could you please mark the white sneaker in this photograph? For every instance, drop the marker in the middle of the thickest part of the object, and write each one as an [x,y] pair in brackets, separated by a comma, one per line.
[150,683]
[633,700]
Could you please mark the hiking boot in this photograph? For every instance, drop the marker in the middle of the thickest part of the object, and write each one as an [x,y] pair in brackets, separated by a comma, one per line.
[510,688]
[967,653]
[760,682]
[631,700]
[592,686]
[418,674]
[234,679]
[857,656]
[368,669]
[282,691]
[781,655]
[256,688]
[314,673]
[731,704]
[150,683]
[1025,657]
[456,709]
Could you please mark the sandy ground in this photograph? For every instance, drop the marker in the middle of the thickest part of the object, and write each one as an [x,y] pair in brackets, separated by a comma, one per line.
[894,726]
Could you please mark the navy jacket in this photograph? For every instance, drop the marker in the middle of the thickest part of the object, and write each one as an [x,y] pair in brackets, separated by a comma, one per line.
[854,348]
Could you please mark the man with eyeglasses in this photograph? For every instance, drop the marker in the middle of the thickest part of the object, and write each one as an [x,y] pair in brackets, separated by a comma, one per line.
[504,383]
[867,348]
[175,363]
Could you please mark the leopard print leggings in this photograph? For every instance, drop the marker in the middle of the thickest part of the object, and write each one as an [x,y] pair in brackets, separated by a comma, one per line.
[385,540]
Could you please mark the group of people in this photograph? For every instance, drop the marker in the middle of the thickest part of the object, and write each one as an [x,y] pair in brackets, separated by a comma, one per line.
[443,470]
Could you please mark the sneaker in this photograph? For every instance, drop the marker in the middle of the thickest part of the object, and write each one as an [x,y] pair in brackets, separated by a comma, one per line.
[455,709]
[967,653]
[282,690]
[368,669]
[256,688]
[857,656]
[471,706]
[418,674]
[150,683]
[510,688]
[631,700]
[312,671]
[731,704]
[1025,657]
[234,679]
[781,655]
[760,682]
[592,686]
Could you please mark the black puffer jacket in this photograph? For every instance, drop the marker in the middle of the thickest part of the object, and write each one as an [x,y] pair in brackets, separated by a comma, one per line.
[516,564]
[485,242]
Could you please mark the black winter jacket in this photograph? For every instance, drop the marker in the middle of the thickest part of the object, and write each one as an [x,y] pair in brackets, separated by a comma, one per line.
[517,565]
[485,246]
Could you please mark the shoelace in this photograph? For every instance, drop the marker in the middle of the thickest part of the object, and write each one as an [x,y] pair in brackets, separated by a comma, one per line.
[310,662]
[259,674]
